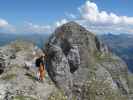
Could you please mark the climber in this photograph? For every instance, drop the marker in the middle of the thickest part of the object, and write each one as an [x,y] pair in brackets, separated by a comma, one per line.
[40,63]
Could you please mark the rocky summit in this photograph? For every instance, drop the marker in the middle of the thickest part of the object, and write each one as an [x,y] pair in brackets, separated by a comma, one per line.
[79,67]
[83,67]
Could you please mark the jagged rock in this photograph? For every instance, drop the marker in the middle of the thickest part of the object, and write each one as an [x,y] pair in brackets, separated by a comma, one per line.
[101,46]
[73,58]
[3,63]
[85,58]
[58,68]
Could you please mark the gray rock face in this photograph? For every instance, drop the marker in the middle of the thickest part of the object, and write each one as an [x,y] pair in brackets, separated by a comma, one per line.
[73,58]
[76,56]
[2,64]
[59,66]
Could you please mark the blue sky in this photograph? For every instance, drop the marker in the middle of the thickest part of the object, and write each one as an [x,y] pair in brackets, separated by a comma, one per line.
[44,15]
[38,11]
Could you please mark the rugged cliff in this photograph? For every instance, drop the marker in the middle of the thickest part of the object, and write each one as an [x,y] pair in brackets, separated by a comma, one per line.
[82,66]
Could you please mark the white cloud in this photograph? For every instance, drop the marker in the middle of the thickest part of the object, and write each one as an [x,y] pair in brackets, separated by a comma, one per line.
[29,27]
[70,15]
[6,27]
[101,21]
[10,28]
[90,12]
[3,23]
[35,28]
[61,22]
[102,29]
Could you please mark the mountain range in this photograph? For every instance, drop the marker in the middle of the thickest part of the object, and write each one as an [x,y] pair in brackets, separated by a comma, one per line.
[38,39]
[121,45]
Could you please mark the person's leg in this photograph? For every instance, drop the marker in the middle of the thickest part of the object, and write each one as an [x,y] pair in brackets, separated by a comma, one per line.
[41,72]
[41,76]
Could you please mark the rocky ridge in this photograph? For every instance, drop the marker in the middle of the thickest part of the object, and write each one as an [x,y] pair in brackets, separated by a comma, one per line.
[82,66]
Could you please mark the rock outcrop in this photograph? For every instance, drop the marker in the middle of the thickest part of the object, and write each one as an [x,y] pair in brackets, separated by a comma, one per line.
[2,63]
[82,66]
[18,80]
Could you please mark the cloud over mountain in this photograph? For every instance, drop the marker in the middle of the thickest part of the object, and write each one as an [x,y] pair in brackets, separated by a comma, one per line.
[89,11]
[102,21]
[59,23]
[99,21]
